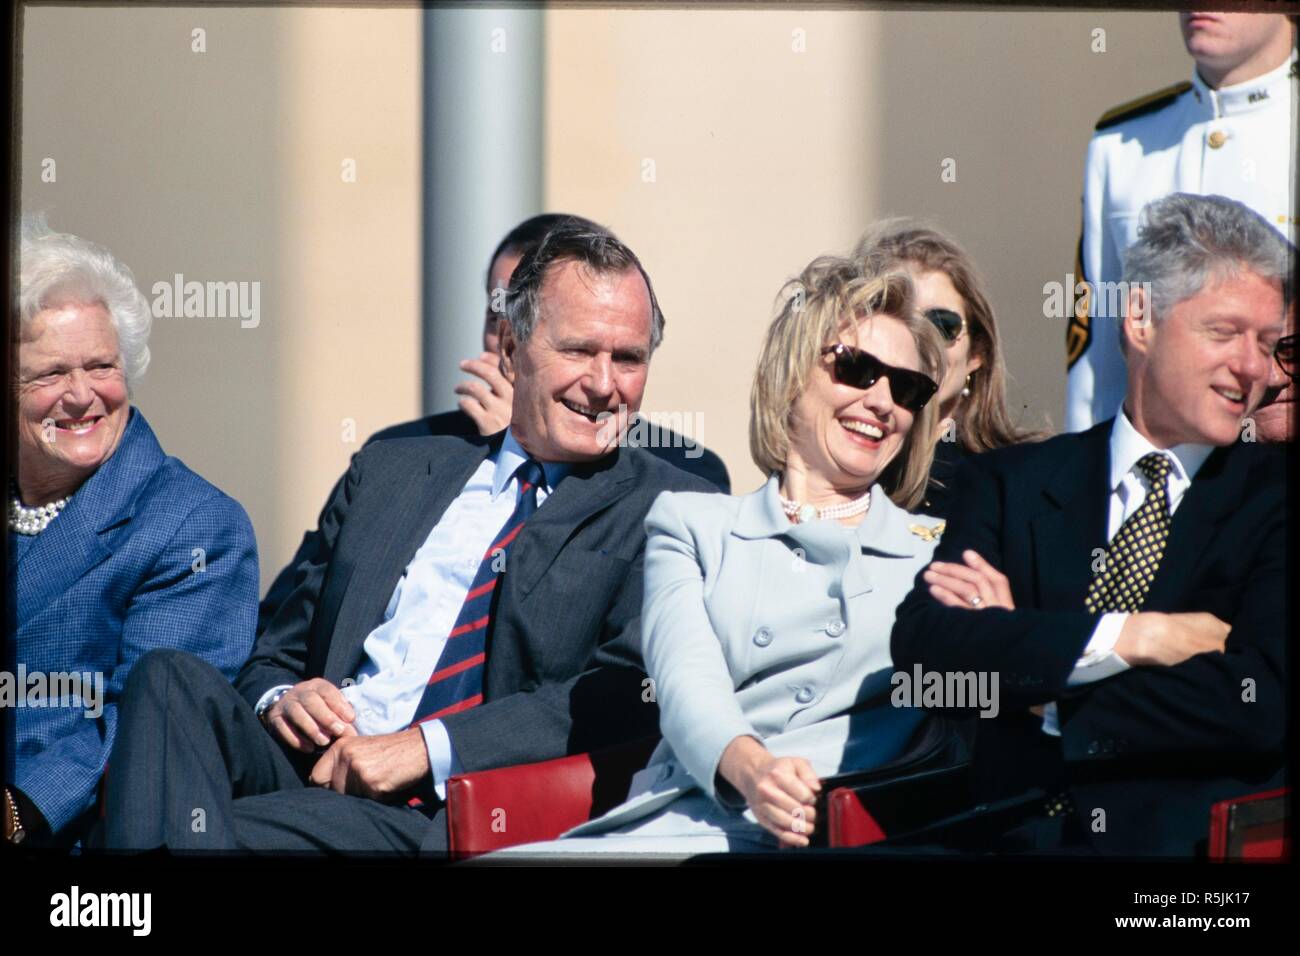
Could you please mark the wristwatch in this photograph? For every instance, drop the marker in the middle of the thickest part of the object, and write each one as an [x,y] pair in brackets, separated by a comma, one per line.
[14,832]
[270,702]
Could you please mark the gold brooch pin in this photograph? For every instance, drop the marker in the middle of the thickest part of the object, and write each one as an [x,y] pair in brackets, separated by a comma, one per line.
[927,534]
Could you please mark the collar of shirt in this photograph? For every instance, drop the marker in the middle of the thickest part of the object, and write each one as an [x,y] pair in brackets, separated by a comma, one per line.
[1128,445]
[1271,89]
[511,456]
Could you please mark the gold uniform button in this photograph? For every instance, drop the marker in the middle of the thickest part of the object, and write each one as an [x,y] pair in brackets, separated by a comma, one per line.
[1217,139]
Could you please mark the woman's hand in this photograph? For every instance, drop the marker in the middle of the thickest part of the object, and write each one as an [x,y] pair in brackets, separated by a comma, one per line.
[974,585]
[487,399]
[782,791]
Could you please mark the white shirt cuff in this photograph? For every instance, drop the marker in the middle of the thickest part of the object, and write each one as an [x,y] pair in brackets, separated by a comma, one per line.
[265,699]
[1099,659]
[1050,725]
[442,759]
[1098,662]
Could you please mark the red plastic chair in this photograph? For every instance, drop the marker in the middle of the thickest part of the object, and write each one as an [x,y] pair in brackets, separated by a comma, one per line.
[493,809]
[862,809]
[1254,828]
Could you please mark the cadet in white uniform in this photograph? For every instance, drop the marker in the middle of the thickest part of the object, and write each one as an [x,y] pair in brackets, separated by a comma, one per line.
[1234,141]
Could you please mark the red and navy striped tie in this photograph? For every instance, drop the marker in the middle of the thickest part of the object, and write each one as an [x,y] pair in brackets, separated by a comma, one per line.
[456,683]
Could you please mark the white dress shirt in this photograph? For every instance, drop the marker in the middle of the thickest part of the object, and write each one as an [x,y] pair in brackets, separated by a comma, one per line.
[1128,488]
[402,651]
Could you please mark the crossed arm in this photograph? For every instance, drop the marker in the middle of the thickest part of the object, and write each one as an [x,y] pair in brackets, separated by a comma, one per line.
[1185,689]
[1146,639]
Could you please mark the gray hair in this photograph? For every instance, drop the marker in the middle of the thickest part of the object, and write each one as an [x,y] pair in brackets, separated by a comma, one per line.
[581,241]
[1185,241]
[57,266]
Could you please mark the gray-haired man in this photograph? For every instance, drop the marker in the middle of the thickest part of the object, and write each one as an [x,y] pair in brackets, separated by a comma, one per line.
[471,602]
[1127,584]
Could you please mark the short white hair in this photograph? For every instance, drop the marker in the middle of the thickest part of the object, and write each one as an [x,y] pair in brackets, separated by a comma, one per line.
[57,267]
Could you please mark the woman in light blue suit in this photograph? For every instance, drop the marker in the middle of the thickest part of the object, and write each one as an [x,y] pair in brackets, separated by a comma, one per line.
[766,618]
[114,547]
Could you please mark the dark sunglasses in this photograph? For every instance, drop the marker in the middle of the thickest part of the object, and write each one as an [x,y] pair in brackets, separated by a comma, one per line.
[950,325]
[858,369]
[1285,355]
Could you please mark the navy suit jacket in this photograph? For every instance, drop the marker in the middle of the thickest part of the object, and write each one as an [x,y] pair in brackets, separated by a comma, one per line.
[1151,747]
[667,445]
[706,465]
[145,555]
[564,671]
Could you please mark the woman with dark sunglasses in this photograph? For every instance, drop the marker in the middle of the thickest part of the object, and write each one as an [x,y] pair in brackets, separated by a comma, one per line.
[766,617]
[950,292]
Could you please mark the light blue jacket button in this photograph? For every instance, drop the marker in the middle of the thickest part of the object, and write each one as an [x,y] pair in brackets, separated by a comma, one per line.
[805,695]
[835,627]
[763,636]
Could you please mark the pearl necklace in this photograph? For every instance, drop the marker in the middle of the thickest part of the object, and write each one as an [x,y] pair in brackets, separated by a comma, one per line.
[806,513]
[30,521]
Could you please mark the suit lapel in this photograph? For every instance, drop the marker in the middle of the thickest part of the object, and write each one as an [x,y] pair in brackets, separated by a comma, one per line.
[1212,496]
[407,507]
[886,531]
[74,543]
[1066,533]
[585,491]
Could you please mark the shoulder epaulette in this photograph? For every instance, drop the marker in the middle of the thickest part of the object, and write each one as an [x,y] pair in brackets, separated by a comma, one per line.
[1143,105]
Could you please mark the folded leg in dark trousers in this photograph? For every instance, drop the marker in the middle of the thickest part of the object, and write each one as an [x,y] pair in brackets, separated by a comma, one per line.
[193,769]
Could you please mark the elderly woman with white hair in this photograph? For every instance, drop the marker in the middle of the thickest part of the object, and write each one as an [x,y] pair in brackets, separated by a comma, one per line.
[114,547]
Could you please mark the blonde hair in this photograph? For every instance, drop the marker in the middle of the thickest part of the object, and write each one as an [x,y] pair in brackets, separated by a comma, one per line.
[829,294]
[982,420]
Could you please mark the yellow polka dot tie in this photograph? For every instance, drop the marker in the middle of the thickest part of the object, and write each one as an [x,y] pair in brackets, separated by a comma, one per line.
[1134,553]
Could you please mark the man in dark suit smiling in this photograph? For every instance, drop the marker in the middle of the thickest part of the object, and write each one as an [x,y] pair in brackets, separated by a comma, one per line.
[1127,584]
[469,602]
[487,398]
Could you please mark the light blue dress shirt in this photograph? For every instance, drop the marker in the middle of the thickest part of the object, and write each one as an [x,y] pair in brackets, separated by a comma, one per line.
[402,651]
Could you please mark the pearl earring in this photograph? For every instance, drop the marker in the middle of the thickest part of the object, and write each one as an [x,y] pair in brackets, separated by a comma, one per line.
[965,392]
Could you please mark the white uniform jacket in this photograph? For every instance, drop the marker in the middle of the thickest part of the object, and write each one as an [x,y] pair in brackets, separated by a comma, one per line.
[1234,142]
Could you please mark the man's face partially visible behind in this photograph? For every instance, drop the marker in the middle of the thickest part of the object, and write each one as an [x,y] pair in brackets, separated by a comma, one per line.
[503,267]
[1275,419]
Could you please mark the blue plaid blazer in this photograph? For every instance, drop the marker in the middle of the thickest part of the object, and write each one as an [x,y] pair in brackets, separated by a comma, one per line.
[146,554]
